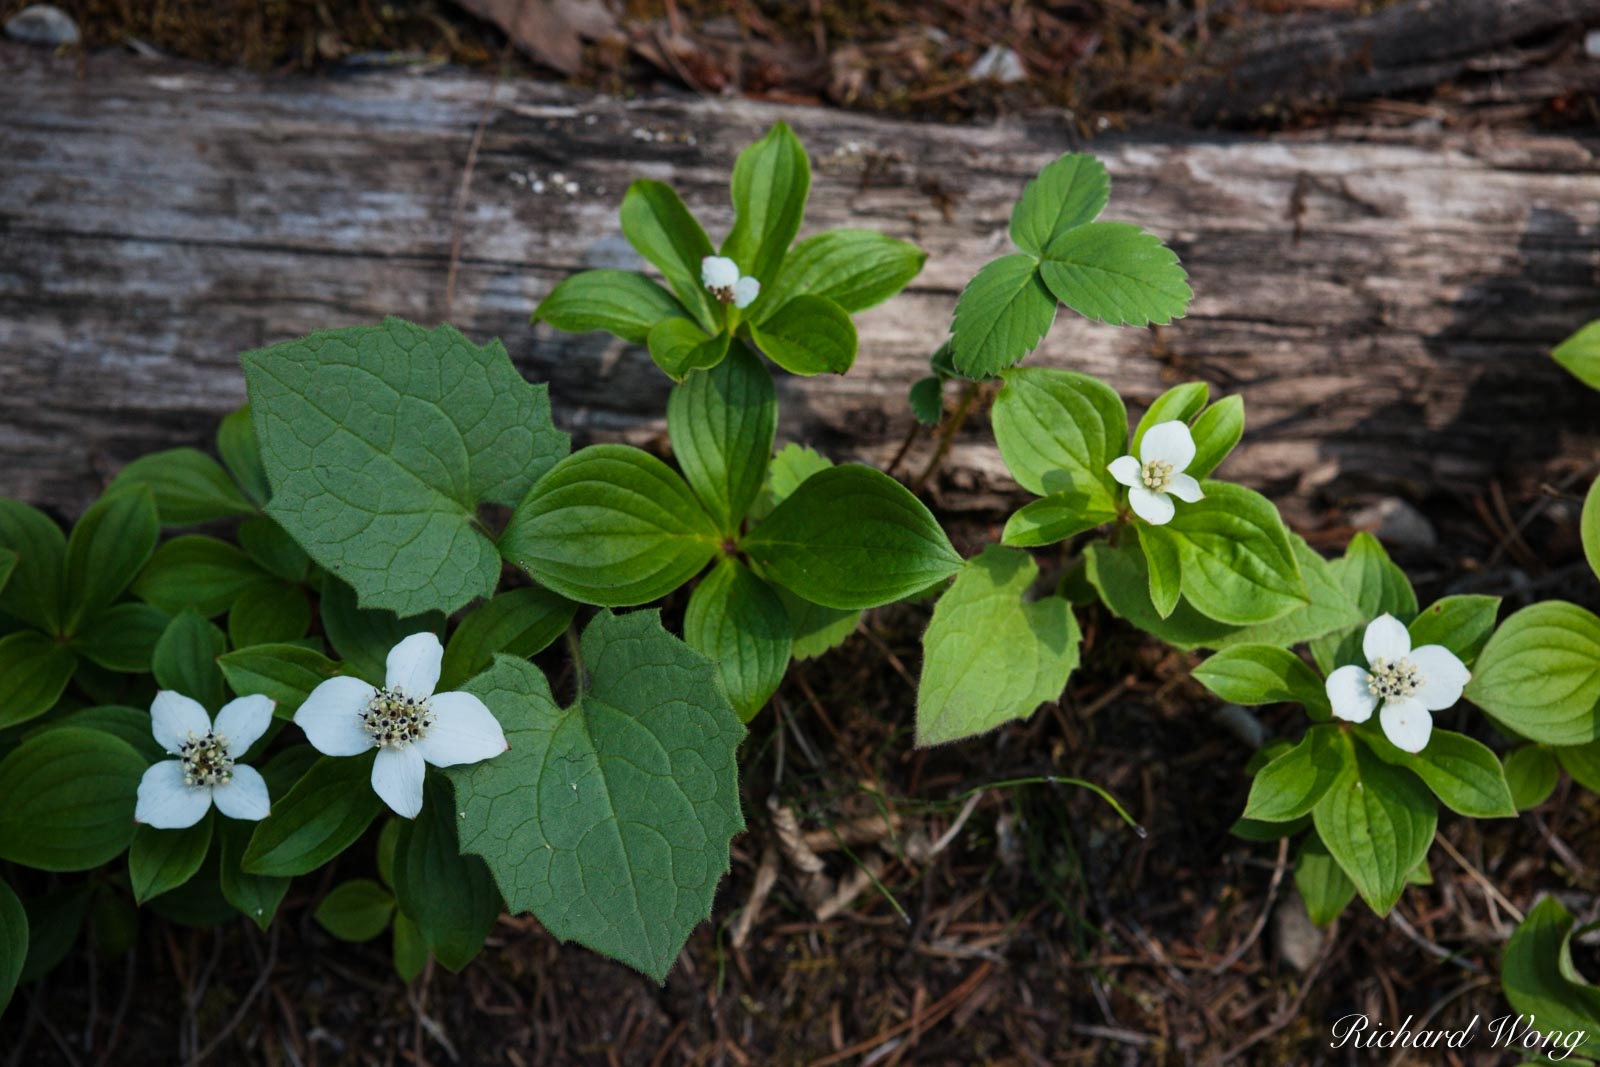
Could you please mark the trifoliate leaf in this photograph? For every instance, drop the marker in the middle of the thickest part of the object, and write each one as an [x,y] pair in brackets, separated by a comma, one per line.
[1068,193]
[1003,313]
[1116,273]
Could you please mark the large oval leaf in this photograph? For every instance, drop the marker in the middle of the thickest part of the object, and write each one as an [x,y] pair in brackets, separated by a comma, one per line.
[721,422]
[1540,674]
[66,799]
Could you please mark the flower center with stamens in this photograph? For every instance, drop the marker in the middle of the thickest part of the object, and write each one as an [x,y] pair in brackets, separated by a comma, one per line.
[1157,475]
[724,293]
[205,760]
[394,720]
[1393,681]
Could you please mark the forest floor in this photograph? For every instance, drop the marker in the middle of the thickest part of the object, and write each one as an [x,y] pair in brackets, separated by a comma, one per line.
[889,905]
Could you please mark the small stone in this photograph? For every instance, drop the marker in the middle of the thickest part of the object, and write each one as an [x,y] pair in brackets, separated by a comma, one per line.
[1397,524]
[42,24]
[1296,937]
[999,64]
[1591,44]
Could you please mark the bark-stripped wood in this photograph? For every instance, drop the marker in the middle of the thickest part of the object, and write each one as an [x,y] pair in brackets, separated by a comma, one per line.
[1385,302]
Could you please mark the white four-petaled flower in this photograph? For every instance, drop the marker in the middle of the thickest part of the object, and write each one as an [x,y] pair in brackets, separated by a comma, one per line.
[177,793]
[406,721]
[1410,683]
[721,275]
[1165,452]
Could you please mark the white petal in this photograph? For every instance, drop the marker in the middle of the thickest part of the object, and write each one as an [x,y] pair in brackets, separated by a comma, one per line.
[397,777]
[463,731]
[718,272]
[1443,677]
[245,797]
[1170,441]
[243,721]
[331,716]
[1348,693]
[413,666]
[1126,470]
[165,802]
[173,717]
[1385,639]
[1154,508]
[1186,489]
[1407,724]
[745,291]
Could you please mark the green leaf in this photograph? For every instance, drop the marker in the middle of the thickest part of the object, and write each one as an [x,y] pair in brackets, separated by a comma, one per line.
[1582,763]
[1003,313]
[633,787]
[1461,772]
[771,181]
[1541,981]
[855,269]
[241,454]
[33,593]
[1378,822]
[273,550]
[852,537]
[611,525]
[13,943]
[721,422]
[185,659]
[816,629]
[1164,561]
[1068,193]
[355,911]
[324,814]
[255,896]
[657,224]
[1181,403]
[787,472]
[1331,608]
[1255,830]
[34,671]
[1055,518]
[1238,564]
[363,636]
[1532,773]
[1263,674]
[449,895]
[927,400]
[1580,354]
[268,612]
[382,441]
[122,638]
[1293,784]
[196,572]
[161,860]
[54,921]
[1589,525]
[1116,273]
[808,335]
[678,346]
[1376,586]
[189,487]
[1460,623]
[1058,430]
[283,673]
[131,725]
[1122,578]
[66,799]
[1216,432]
[739,621]
[1540,674]
[1323,885]
[989,654]
[410,952]
[521,623]
[621,302]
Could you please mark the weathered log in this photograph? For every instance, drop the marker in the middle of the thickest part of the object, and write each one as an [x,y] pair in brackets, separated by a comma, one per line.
[1384,302]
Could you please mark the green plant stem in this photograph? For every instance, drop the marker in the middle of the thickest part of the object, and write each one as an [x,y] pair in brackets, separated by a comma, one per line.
[947,434]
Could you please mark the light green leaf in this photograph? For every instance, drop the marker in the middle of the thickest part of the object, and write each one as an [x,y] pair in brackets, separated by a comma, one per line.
[1263,674]
[357,910]
[185,659]
[1460,623]
[990,655]
[241,454]
[196,572]
[808,335]
[449,895]
[1164,561]
[633,787]
[678,346]
[852,537]
[1376,586]
[122,638]
[611,525]
[621,302]
[520,622]
[363,636]
[1293,784]
[1122,578]
[268,612]
[816,629]
[13,943]
[1331,609]
[382,441]
[1378,822]
[721,422]
[1181,403]
[927,400]
[1068,193]
[855,269]
[1540,674]
[787,472]
[1580,354]
[1116,273]
[1216,432]
[160,860]
[33,593]
[326,811]
[771,181]
[1541,981]
[1058,430]
[1323,885]
[657,224]
[1003,313]
[1055,518]
[1532,774]
[283,673]
[34,671]
[189,487]
[66,799]
[1589,525]
[1461,772]
[1238,564]
[739,621]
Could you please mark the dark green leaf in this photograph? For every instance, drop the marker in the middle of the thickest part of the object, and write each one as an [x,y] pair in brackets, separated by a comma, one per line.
[739,621]
[271,547]
[159,860]
[196,572]
[185,659]
[1238,564]
[66,799]
[13,943]
[255,896]
[34,671]
[1055,518]
[189,487]
[268,612]
[1532,773]
[678,346]
[927,400]
[1215,432]
[1460,623]
[1057,431]
[721,422]
[1542,983]
[1378,822]
[855,269]
[1263,674]
[241,454]
[363,636]
[283,673]
[357,910]
[122,638]
[1540,674]
[521,622]
[33,593]
[1292,785]
[450,896]
[109,544]
[1461,772]
[1323,885]
[324,814]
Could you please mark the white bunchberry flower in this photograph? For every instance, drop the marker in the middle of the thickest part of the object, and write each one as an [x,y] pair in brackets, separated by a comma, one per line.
[1410,683]
[721,275]
[406,721]
[177,793]
[1165,452]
